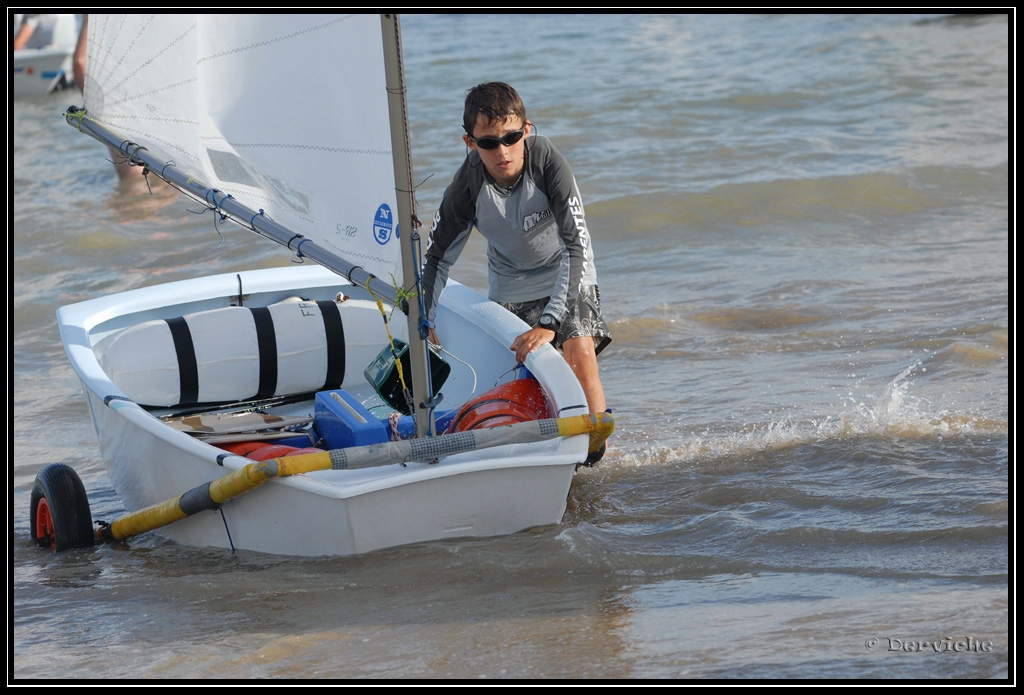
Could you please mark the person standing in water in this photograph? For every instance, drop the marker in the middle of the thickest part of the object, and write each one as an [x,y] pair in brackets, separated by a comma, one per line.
[519,192]
[121,166]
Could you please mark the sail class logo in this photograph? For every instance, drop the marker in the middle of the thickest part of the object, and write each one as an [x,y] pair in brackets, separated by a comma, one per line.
[383,224]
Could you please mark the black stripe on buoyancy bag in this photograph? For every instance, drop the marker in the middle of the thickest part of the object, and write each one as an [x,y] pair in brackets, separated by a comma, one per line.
[335,332]
[235,353]
[267,342]
[188,372]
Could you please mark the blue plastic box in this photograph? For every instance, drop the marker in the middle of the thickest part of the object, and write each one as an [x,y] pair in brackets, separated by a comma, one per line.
[342,421]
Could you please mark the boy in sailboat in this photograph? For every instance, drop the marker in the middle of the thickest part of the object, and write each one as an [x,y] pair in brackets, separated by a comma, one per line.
[520,194]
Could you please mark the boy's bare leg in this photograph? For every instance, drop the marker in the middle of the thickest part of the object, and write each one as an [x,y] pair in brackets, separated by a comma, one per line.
[579,353]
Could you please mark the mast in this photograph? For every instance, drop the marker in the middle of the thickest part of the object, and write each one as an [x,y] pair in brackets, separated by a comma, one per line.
[419,358]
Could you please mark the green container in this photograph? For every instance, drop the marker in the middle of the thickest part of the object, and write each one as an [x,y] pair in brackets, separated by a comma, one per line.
[383,374]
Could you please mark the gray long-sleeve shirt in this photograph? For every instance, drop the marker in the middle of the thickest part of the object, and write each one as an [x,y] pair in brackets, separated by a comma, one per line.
[537,239]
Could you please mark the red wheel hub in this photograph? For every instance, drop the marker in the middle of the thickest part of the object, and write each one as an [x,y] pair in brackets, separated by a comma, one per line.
[44,523]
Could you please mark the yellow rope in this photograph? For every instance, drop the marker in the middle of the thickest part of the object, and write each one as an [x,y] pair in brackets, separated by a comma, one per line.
[401,294]
[387,327]
[78,116]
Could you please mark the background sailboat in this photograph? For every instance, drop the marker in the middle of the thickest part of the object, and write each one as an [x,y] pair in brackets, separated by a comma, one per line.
[44,64]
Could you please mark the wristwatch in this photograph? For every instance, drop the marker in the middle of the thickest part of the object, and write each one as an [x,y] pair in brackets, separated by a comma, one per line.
[548,321]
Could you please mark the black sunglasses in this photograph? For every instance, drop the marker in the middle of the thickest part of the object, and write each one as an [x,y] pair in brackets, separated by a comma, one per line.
[507,140]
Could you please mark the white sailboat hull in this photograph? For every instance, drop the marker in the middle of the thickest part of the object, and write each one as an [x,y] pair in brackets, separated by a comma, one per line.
[491,492]
[39,71]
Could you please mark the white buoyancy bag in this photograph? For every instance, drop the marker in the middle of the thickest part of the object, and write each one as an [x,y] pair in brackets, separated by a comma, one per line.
[242,353]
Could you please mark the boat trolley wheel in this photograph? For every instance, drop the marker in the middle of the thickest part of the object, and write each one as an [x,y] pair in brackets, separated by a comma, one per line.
[60,516]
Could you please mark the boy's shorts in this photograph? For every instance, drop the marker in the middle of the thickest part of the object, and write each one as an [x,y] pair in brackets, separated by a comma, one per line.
[584,318]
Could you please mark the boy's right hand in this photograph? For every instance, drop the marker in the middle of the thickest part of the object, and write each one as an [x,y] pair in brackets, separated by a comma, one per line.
[432,338]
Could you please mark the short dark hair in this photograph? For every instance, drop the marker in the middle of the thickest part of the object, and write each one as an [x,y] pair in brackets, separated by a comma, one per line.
[495,101]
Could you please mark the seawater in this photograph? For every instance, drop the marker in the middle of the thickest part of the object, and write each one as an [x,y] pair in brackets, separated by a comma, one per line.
[801,225]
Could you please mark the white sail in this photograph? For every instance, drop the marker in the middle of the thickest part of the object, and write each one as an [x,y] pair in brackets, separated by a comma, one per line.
[251,103]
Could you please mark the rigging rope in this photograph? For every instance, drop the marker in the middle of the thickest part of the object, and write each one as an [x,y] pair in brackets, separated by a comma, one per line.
[406,392]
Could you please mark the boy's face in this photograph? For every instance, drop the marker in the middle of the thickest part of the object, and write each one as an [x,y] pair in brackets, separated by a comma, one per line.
[505,162]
